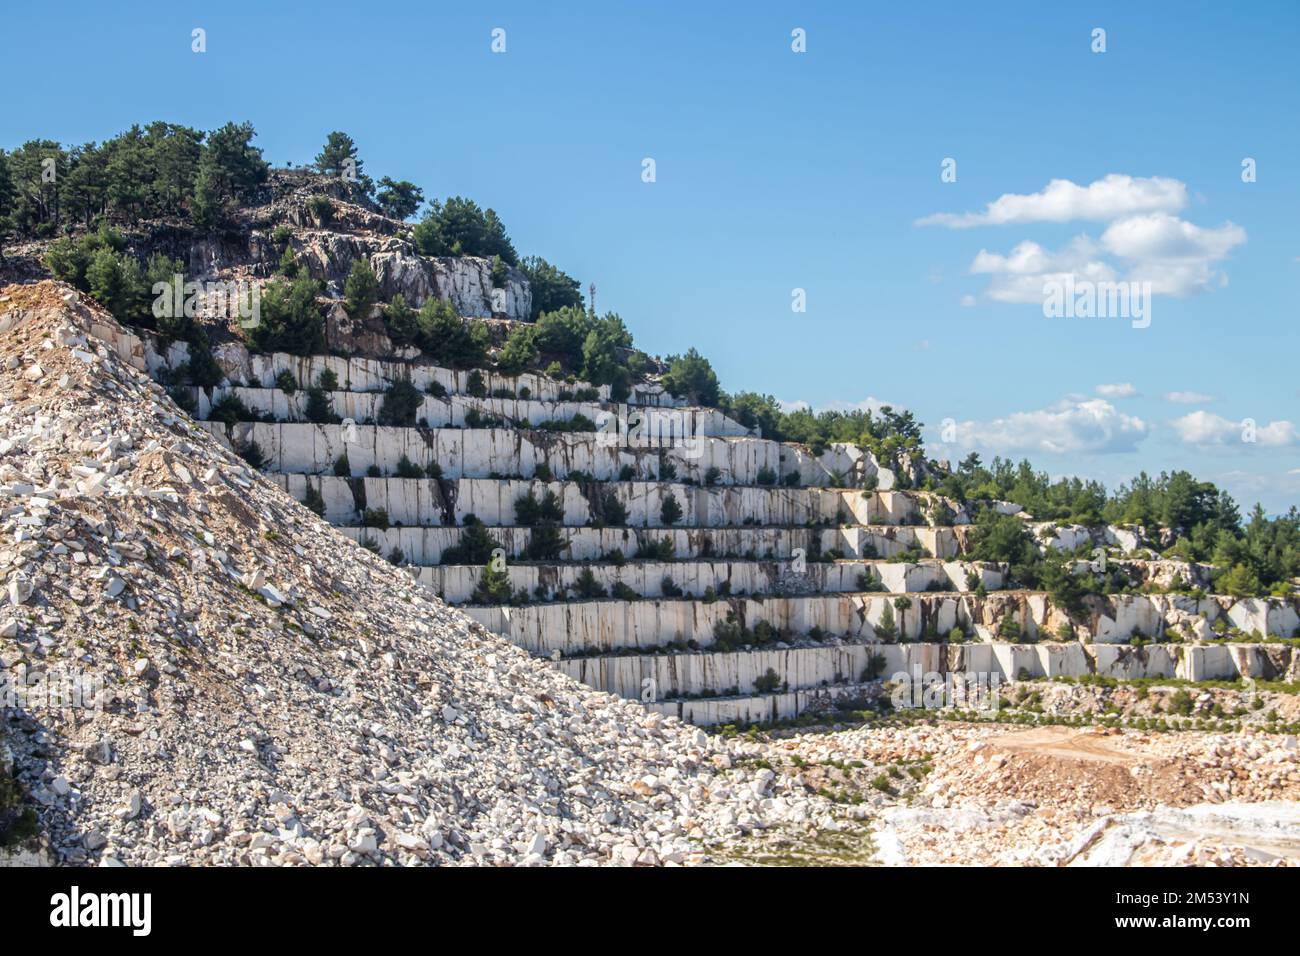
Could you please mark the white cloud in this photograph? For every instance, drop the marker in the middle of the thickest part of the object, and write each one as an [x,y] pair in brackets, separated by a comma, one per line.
[1144,241]
[967,301]
[1020,275]
[1165,237]
[1061,200]
[1117,390]
[1175,256]
[868,404]
[1206,428]
[1178,258]
[1275,491]
[1070,426]
[1188,398]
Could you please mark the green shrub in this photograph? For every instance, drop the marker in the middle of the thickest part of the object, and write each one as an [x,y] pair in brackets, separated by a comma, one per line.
[493,586]
[475,547]
[314,501]
[608,510]
[360,289]
[320,407]
[458,227]
[670,512]
[1009,630]
[401,404]
[886,628]
[290,319]
[401,322]
[623,592]
[520,351]
[587,587]
[545,542]
[252,453]
[529,511]
[321,208]
[408,469]
[657,550]
[692,377]
[229,410]
[447,338]
[288,264]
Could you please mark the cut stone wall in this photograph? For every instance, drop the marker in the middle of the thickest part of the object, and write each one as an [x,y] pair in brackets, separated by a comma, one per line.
[686,674]
[575,628]
[424,501]
[364,407]
[482,452]
[425,545]
[456,583]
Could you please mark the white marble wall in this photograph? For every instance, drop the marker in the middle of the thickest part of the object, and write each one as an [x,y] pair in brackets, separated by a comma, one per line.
[423,501]
[424,545]
[602,626]
[456,583]
[664,676]
[478,453]
[450,412]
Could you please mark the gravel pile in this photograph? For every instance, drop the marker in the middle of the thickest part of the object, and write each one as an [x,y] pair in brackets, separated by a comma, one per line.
[256,689]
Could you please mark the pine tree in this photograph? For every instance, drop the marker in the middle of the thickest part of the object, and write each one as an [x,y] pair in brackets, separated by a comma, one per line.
[361,290]
[885,628]
[339,155]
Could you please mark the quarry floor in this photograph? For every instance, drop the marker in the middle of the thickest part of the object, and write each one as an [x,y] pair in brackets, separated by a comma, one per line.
[934,790]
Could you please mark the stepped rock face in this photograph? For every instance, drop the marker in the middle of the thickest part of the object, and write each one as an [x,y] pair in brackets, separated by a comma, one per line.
[691,539]
[253,688]
[248,686]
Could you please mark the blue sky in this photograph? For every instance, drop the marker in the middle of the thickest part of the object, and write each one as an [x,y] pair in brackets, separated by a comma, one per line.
[778,171]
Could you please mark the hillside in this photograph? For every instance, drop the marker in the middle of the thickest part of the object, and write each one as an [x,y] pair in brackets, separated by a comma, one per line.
[370,541]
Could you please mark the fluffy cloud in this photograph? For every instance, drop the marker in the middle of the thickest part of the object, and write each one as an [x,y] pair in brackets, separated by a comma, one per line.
[1188,398]
[1088,425]
[1144,241]
[1118,390]
[1168,238]
[1176,257]
[1207,428]
[1019,276]
[1105,199]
